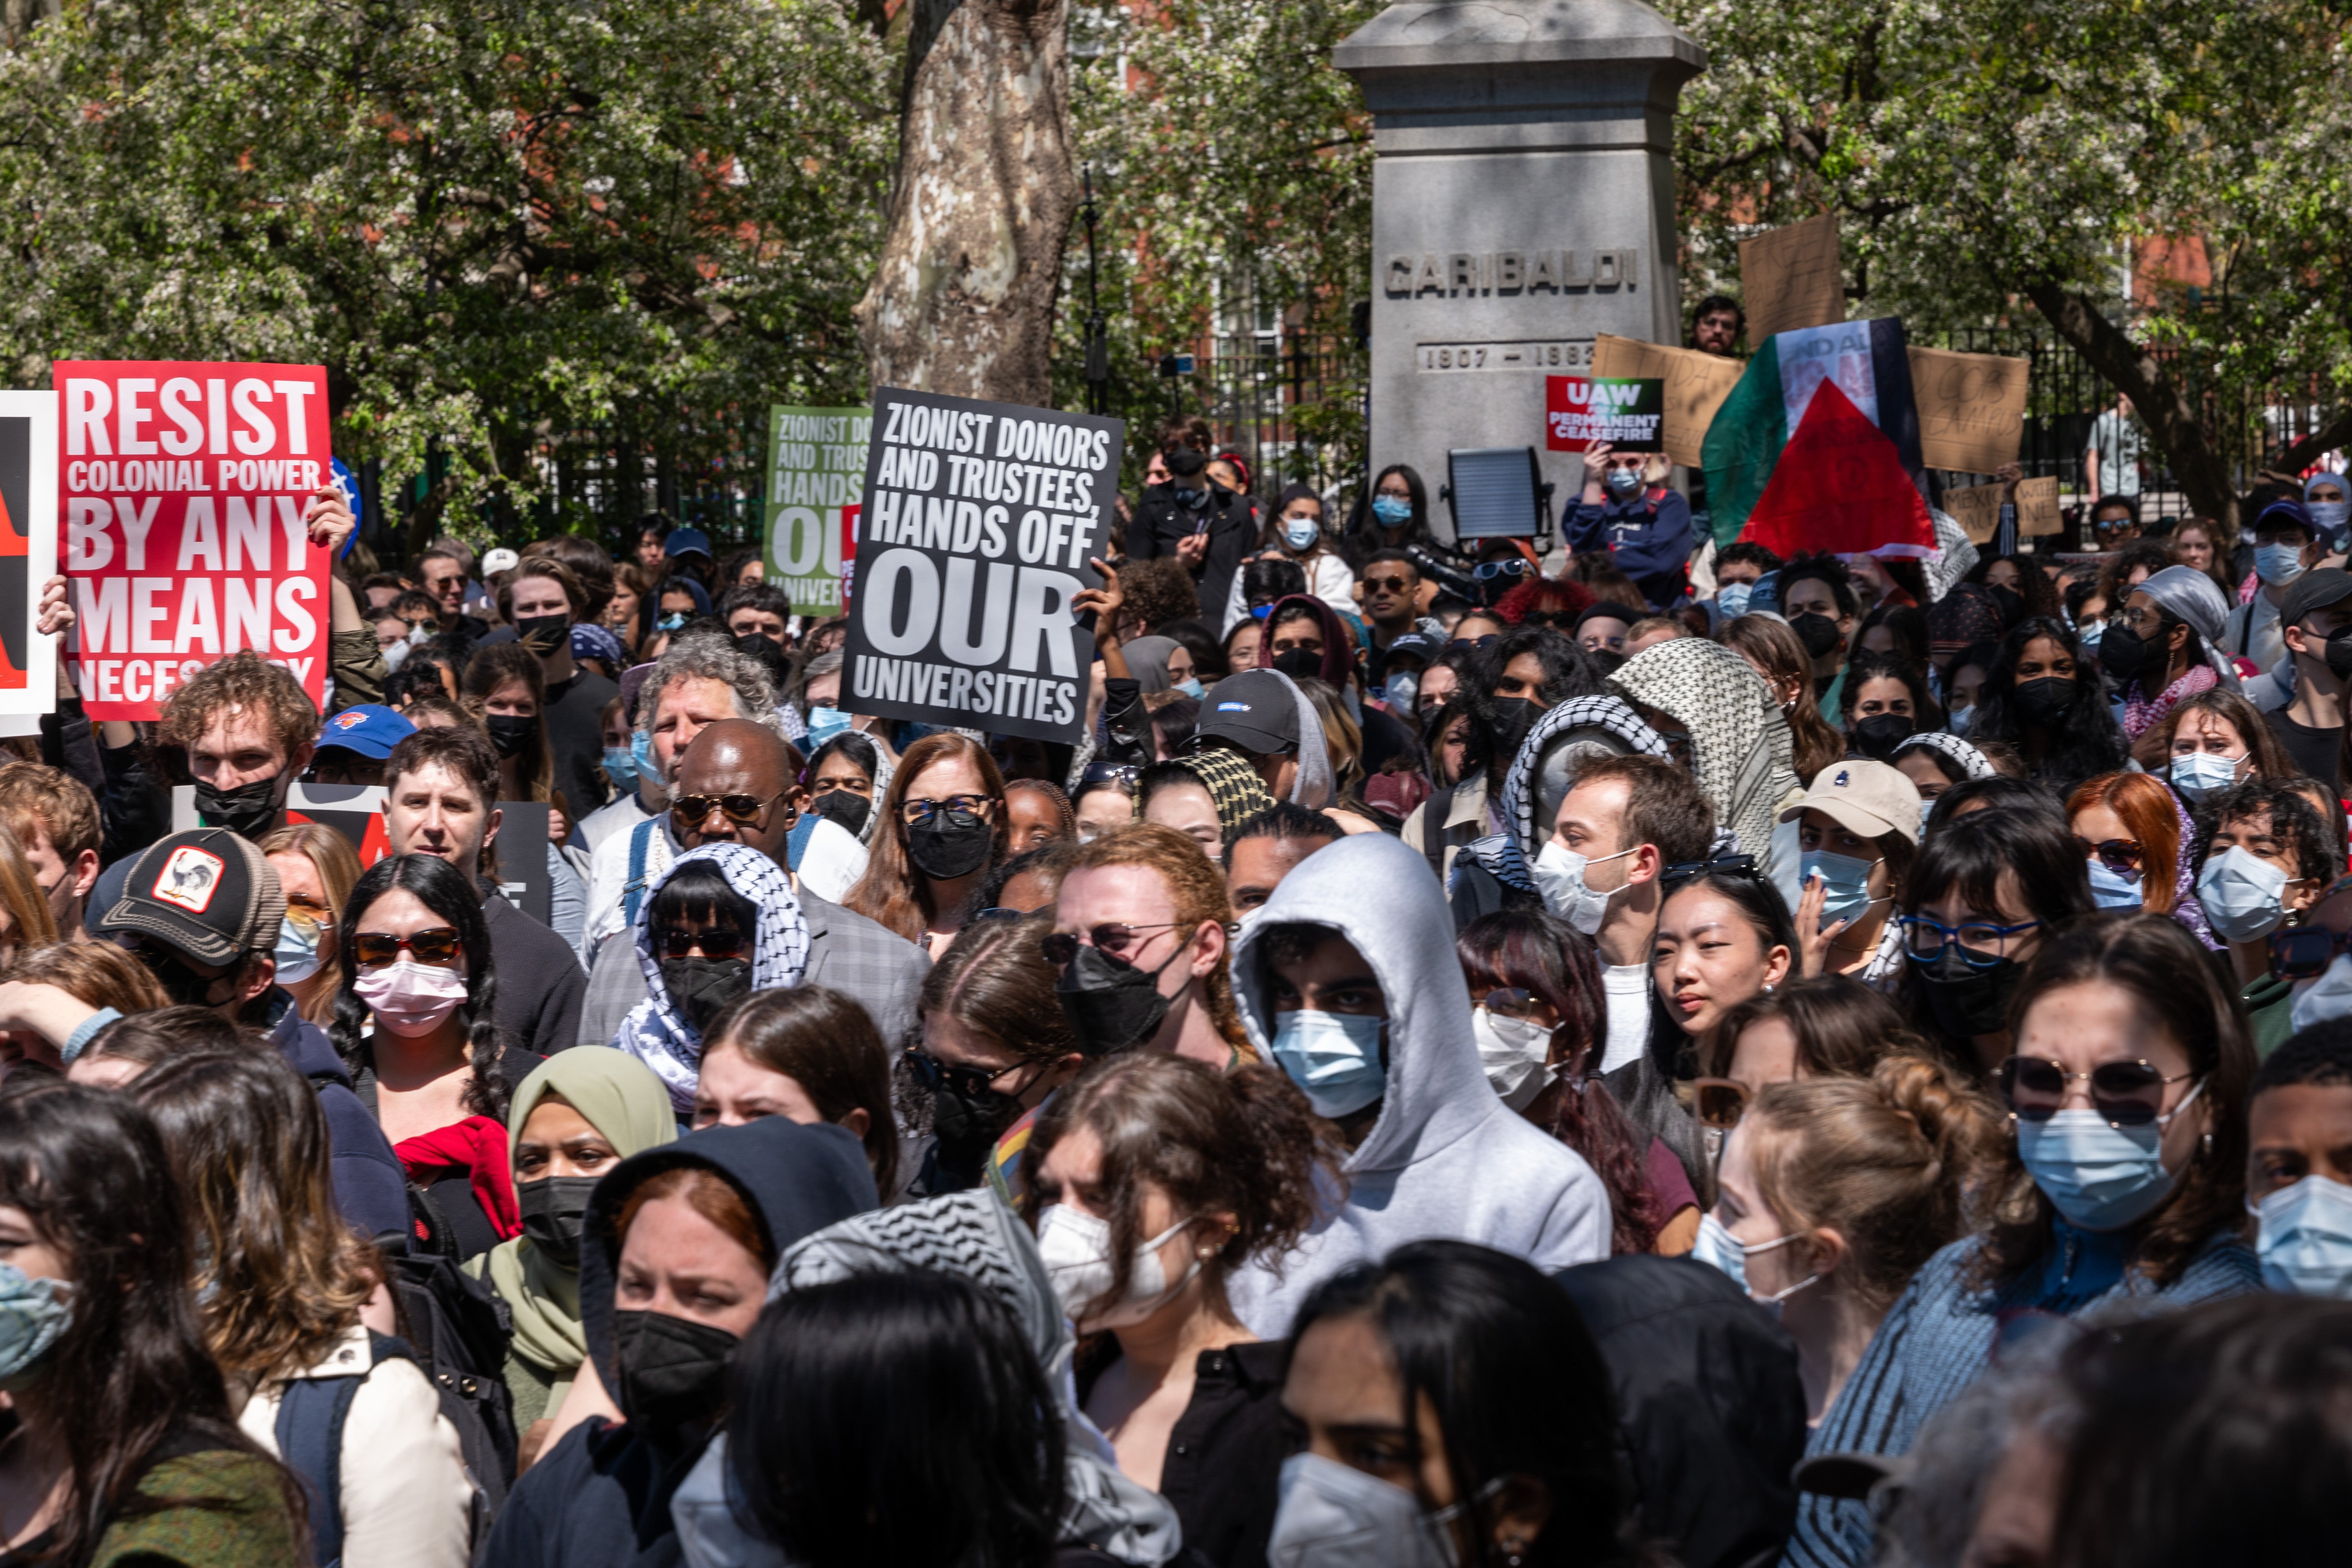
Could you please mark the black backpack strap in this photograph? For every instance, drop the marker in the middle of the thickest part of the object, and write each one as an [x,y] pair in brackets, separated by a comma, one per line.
[311,1418]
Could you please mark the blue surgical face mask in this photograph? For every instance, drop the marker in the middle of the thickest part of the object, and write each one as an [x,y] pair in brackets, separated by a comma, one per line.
[2330,515]
[1716,1248]
[2199,774]
[1732,599]
[2111,889]
[1960,719]
[1335,1057]
[2278,564]
[1625,481]
[1392,511]
[1846,883]
[825,724]
[641,755]
[2244,896]
[1926,810]
[298,950]
[670,623]
[2305,1238]
[1300,532]
[34,1314]
[2329,996]
[1190,688]
[2099,1177]
[1401,688]
[621,767]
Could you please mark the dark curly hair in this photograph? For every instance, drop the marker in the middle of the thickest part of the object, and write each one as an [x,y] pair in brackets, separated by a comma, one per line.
[450,894]
[1246,1143]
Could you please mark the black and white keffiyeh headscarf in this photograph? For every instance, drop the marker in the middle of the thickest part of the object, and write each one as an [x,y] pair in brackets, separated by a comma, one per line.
[655,1031]
[1575,713]
[1740,748]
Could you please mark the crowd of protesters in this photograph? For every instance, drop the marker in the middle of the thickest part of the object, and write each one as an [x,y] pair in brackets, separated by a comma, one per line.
[1662,1055]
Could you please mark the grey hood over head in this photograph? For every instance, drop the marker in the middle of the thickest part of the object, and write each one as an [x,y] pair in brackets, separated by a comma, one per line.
[1445,1158]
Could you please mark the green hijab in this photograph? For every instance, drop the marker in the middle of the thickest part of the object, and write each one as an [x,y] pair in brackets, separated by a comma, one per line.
[620,1098]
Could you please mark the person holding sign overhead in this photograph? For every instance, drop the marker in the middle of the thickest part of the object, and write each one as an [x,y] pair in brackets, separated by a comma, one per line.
[1629,510]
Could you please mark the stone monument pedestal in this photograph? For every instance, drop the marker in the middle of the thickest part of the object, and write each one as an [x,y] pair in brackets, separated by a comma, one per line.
[1523,201]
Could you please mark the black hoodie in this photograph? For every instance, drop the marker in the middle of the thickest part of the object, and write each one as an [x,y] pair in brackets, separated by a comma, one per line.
[600,1499]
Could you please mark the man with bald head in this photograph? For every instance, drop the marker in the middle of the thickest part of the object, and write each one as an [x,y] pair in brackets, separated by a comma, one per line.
[739,783]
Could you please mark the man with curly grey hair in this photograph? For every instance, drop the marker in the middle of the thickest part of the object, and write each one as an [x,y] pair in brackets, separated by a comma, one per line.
[699,681]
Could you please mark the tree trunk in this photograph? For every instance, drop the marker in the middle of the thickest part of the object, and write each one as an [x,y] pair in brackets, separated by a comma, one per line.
[2202,469]
[963,298]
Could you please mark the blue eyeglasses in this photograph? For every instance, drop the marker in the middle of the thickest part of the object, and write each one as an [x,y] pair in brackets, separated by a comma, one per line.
[1982,943]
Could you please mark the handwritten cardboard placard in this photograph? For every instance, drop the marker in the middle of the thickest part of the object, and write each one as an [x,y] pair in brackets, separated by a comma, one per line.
[2037,507]
[1976,509]
[1697,385]
[1790,279]
[1971,408]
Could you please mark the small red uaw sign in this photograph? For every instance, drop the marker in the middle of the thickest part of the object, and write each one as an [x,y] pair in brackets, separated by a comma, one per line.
[183,487]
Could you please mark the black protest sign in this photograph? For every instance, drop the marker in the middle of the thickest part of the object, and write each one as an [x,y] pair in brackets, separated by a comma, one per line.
[973,538]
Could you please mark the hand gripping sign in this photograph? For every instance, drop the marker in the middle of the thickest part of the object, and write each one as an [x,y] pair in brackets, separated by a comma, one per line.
[184,487]
[978,522]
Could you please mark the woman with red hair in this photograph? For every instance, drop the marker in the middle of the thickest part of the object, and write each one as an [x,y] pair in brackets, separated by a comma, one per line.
[2132,829]
[1546,601]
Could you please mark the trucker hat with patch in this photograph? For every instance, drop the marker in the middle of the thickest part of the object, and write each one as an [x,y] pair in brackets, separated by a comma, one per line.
[207,892]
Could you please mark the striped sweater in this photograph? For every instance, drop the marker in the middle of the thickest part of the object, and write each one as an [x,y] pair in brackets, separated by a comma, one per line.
[1941,1333]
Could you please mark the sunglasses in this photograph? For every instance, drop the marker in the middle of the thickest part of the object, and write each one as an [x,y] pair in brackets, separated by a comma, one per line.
[920,813]
[2298,952]
[967,1082]
[1112,938]
[1487,571]
[1511,1001]
[1719,1102]
[2117,855]
[1683,871]
[436,946]
[690,810]
[1385,584]
[675,942]
[1123,774]
[2126,1094]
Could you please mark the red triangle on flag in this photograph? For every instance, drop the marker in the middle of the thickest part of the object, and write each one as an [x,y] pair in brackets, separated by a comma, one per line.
[1839,486]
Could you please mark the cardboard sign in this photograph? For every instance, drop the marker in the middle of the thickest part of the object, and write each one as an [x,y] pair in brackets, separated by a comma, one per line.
[817,462]
[1696,386]
[976,524]
[356,811]
[1579,411]
[1791,279]
[1976,509]
[184,488]
[1971,408]
[28,551]
[2037,507]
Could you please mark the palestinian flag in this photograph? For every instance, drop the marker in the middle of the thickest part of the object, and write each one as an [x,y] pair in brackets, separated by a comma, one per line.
[1817,447]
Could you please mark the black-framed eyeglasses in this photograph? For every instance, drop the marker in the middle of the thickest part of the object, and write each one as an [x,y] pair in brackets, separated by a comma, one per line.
[1487,571]
[1124,775]
[967,1082]
[2125,1094]
[1982,943]
[1480,643]
[1681,871]
[691,810]
[720,942]
[2298,952]
[1112,938]
[968,808]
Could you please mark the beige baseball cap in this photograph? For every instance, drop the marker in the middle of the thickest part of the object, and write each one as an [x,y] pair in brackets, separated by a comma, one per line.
[1865,797]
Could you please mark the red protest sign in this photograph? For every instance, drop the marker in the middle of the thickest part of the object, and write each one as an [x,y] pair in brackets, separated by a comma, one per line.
[182,487]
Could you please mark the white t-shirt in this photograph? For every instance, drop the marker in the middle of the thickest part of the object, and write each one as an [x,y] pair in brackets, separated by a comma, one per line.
[2118,441]
[1628,985]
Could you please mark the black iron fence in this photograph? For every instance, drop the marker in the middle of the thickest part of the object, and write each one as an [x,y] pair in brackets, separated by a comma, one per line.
[1291,402]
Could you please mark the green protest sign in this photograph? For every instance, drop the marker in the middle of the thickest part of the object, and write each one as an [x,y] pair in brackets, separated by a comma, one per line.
[816,472]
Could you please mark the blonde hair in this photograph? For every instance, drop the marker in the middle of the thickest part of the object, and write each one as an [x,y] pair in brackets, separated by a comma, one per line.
[1195,887]
[338,865]
[30,919]
[1889,1162]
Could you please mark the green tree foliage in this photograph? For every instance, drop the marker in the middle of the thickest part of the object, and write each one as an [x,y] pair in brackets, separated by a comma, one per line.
[1233,172]
[494,224]
[1989,158]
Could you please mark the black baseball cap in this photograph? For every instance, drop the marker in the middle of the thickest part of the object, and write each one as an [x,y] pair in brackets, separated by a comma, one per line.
[1256,710]
[206,892]
[1412,644]
[2315,590]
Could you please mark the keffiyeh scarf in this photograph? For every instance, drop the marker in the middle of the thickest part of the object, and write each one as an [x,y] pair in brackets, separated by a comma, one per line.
[1740,748]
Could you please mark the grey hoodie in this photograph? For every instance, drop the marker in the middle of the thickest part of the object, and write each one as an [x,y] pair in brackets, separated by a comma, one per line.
[1446,1158]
